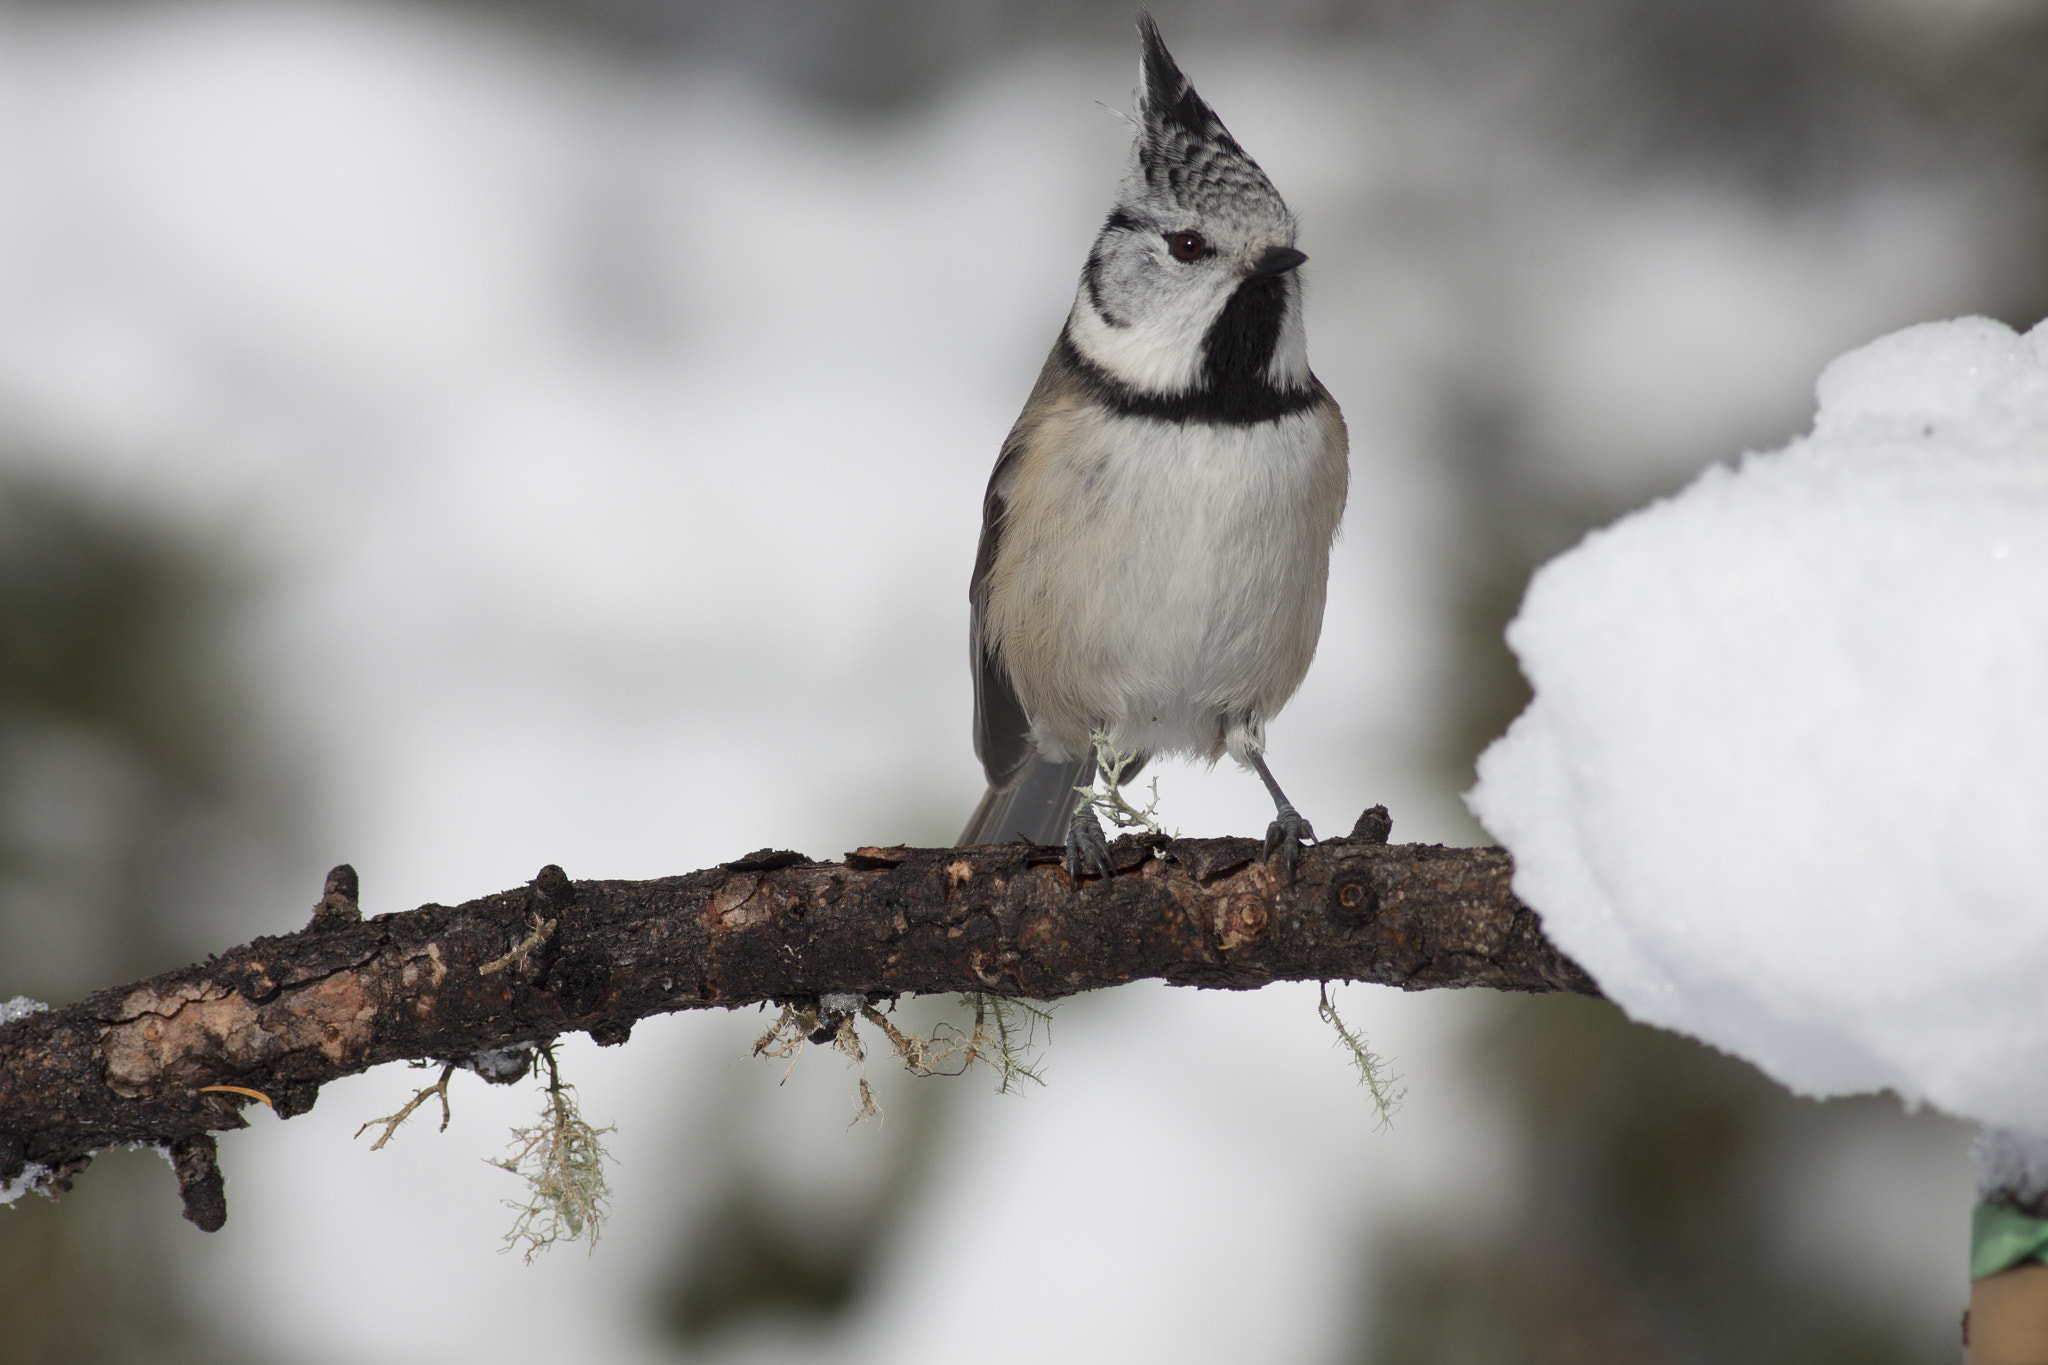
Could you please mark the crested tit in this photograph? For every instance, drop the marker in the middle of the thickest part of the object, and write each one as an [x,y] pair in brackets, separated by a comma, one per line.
[1156,535]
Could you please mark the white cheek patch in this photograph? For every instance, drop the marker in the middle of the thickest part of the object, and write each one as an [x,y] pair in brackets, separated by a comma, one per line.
[1159,351]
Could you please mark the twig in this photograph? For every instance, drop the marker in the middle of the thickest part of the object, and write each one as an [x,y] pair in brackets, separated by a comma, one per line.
[392,1121]
[538,932]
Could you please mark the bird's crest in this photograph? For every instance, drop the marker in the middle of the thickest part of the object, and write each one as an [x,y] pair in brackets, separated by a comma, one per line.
[1184,155]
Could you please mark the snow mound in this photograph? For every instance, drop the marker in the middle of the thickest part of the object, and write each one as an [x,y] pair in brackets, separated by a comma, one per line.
[1784,783]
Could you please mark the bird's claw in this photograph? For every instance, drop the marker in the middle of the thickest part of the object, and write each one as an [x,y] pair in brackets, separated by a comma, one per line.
[1285,837]
[1087,850]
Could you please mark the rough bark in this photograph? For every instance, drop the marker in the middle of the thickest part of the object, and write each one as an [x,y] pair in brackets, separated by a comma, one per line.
[284,1015]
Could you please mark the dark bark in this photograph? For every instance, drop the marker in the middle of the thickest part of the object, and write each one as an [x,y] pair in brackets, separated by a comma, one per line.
[284,1015]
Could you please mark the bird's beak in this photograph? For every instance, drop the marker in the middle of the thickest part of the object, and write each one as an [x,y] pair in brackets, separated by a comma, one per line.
[1278,260]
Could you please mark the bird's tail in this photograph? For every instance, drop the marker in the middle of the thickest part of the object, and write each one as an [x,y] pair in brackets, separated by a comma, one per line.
[1035,806]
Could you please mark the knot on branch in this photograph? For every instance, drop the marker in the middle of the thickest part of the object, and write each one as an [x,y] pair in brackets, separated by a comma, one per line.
[1375,826]
[554,885]
[337,905]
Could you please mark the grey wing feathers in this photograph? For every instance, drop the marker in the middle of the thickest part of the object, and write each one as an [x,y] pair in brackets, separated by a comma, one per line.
[1002,732]
[1028,796]
[1035,805]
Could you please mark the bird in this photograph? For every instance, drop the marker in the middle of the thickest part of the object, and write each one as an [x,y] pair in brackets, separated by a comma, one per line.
[1156,533]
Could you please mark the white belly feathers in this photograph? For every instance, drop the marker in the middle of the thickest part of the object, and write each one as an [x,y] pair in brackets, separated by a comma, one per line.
[1174,592]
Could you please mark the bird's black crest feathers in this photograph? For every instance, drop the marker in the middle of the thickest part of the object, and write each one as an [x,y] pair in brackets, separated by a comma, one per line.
[1184,152]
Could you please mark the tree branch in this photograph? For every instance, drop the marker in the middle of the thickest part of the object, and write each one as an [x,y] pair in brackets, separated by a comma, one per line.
[284,1015]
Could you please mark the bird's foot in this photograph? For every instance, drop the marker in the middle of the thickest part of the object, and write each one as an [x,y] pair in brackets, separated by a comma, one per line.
[1285,837]
[1087,850]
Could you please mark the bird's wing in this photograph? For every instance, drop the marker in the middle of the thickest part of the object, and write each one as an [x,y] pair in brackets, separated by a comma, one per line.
[1002,732]
[1029,795]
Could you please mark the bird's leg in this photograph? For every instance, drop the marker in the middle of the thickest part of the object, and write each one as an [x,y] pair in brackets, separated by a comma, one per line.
[1087,850]
[1289,831]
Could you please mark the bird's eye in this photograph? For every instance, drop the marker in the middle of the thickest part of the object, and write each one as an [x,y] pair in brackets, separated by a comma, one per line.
[1186,246]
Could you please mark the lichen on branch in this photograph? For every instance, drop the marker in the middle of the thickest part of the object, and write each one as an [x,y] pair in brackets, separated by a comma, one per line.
[561,1158]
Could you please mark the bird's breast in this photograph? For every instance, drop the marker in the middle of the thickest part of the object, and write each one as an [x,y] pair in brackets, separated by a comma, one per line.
[1155,576]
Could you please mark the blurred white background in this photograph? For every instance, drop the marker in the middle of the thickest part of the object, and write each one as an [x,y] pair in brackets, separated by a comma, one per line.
[588,412]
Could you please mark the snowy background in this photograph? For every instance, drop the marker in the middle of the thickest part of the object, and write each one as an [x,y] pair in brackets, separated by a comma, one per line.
[566,432]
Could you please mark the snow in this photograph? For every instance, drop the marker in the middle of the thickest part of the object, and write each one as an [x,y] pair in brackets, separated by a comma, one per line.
[502,1065]
[2012,1166]
[20,1007]
[1780,787]
[32,1177]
